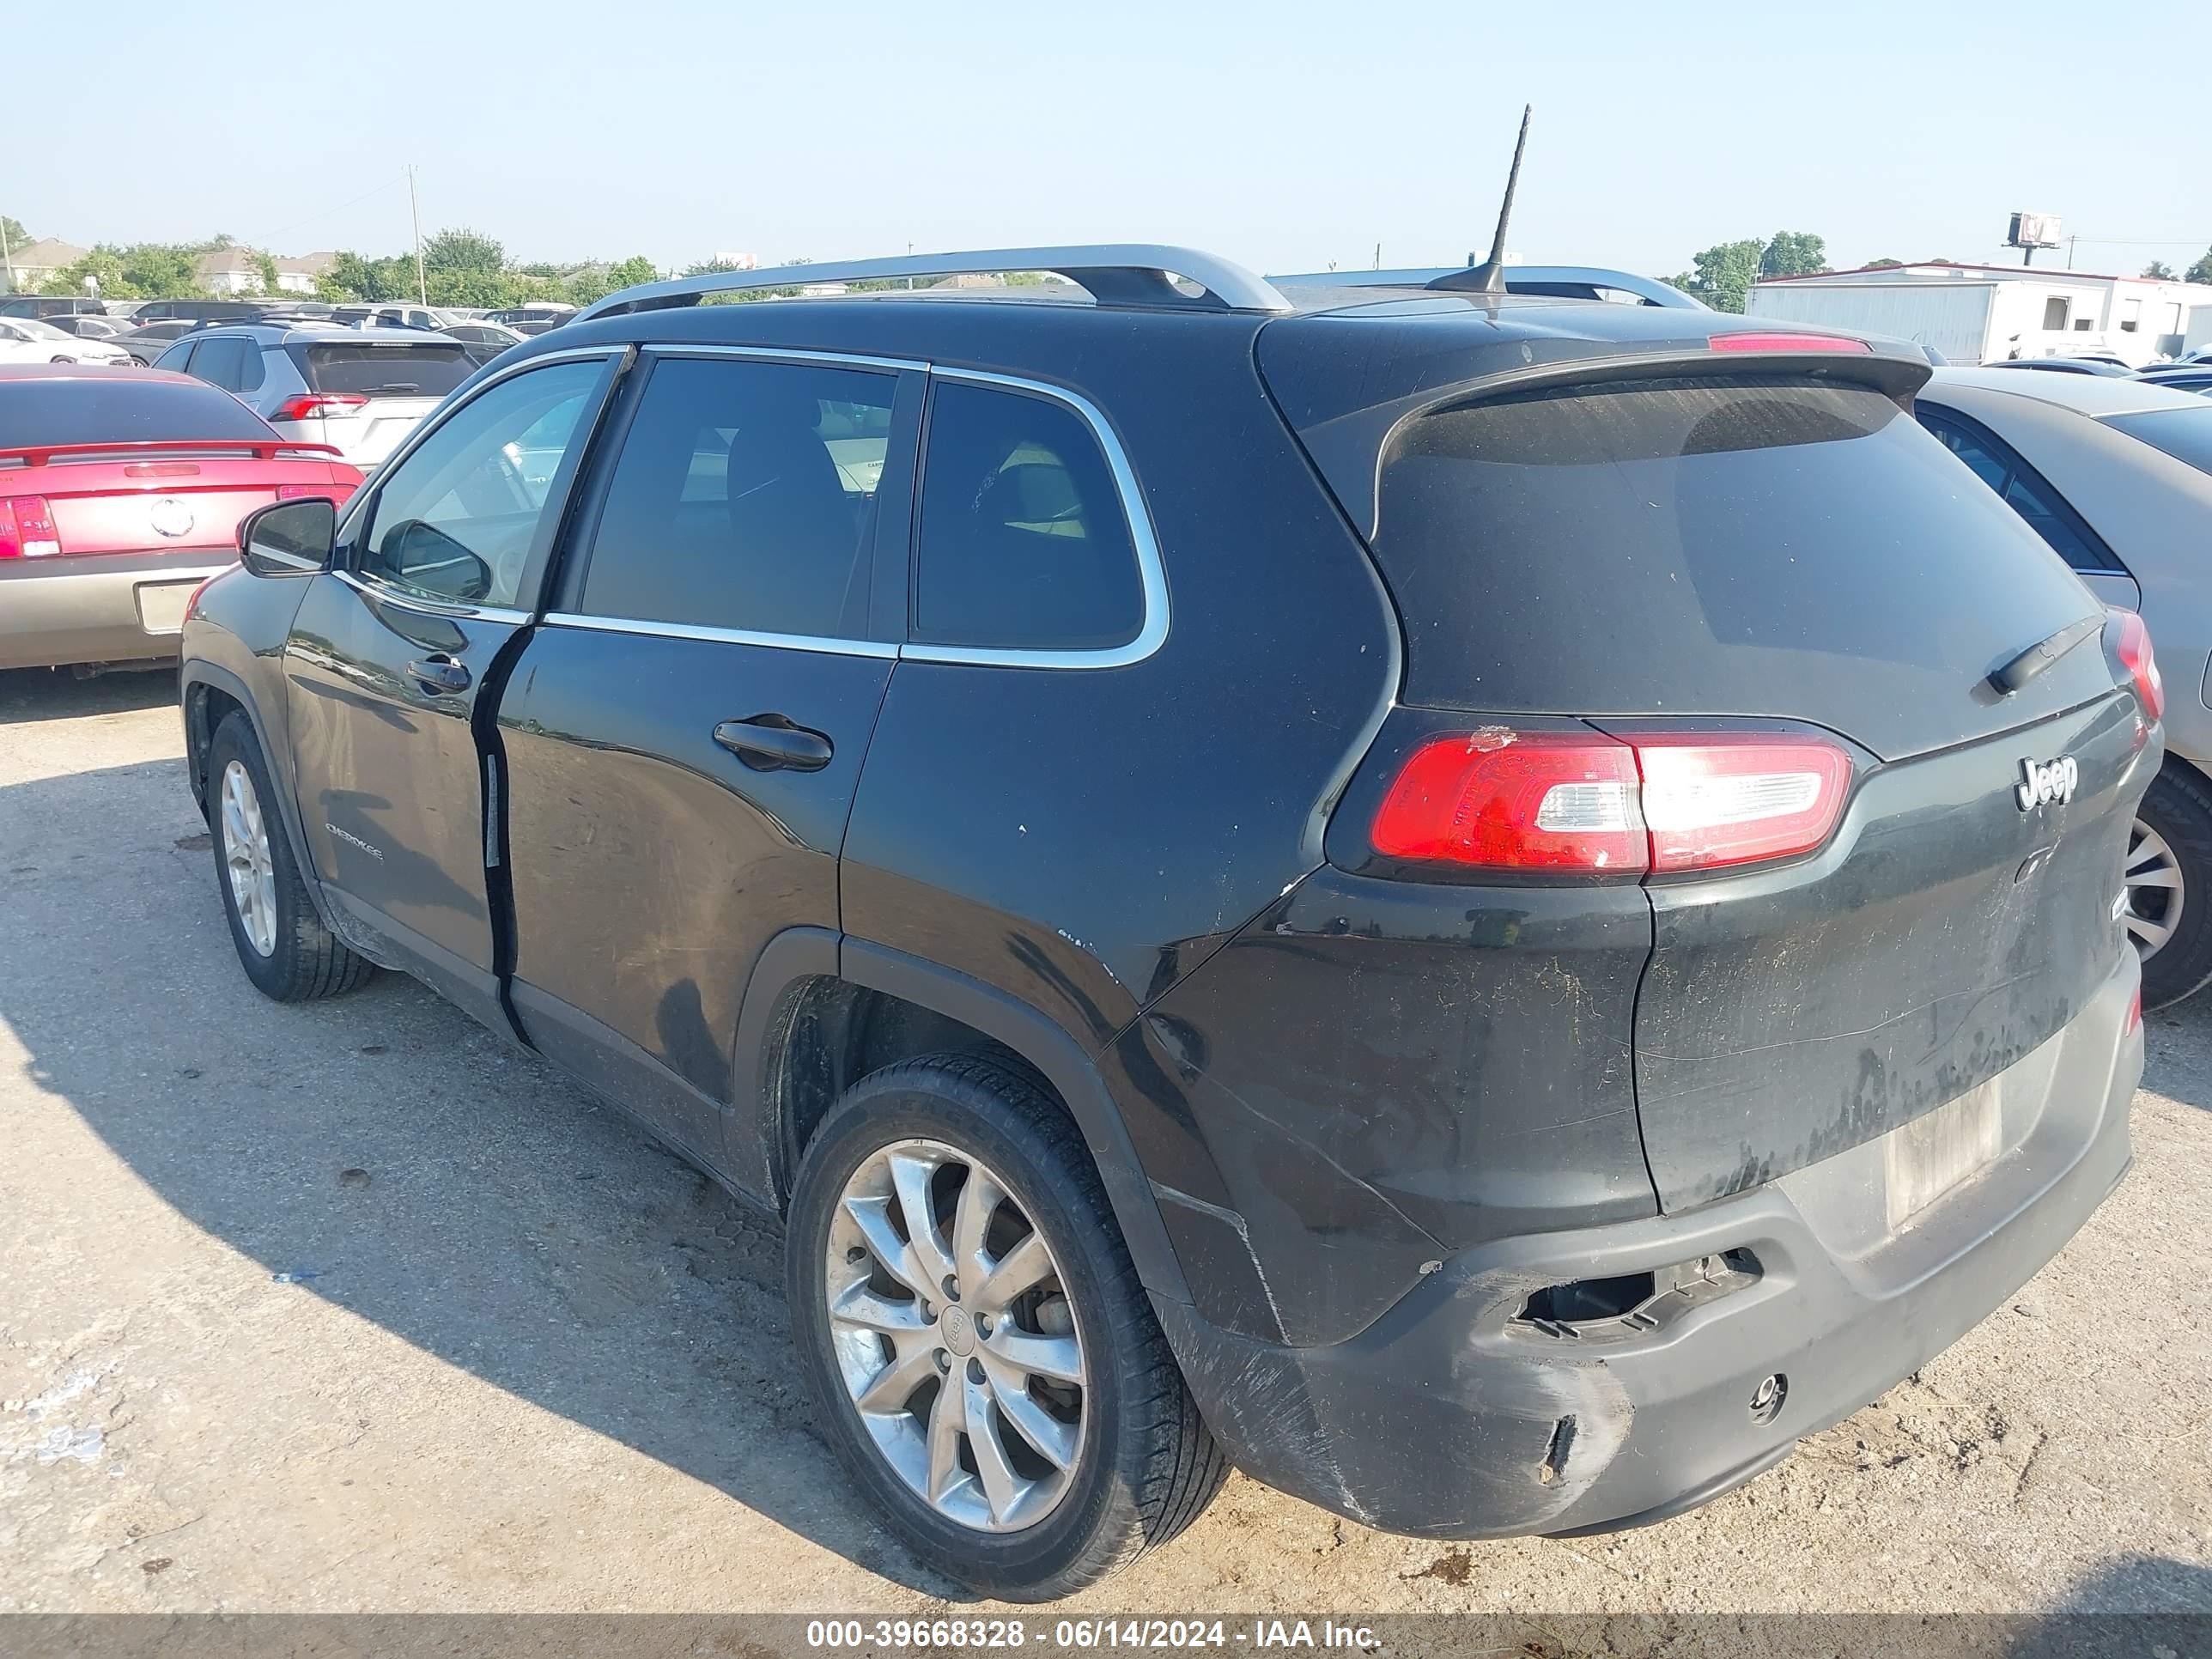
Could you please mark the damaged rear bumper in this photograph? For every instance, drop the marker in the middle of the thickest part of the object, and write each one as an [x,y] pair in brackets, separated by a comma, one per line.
[1454,1415]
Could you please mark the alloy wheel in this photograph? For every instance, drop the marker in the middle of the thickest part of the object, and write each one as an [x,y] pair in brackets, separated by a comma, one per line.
[246,857]
[2154,890]
[955,1336]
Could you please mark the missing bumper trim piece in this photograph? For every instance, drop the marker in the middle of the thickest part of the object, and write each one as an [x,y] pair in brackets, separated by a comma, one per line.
[1587,1309]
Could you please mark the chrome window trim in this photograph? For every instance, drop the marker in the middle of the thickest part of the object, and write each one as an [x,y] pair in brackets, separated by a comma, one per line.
[460,399]
[385,594]
[1152,574]
[881,649]
[1151,571]
[783,354]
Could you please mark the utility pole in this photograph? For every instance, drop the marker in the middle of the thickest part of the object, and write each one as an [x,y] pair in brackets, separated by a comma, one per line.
[7,260]
[2070,240]
[422,282]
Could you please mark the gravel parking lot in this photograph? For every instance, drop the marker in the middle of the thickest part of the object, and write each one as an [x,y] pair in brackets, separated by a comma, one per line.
[352,1307]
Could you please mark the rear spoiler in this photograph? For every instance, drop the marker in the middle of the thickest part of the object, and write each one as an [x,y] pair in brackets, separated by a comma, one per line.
[263,449]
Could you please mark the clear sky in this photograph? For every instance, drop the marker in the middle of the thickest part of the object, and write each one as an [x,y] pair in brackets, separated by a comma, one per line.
[1284,135]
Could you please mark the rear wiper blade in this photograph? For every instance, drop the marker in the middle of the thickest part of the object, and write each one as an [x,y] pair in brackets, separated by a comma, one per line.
[2012,675]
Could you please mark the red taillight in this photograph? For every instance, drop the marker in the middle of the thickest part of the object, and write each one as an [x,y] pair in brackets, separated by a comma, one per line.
[2134,1021]
[2132,647]
[1507,800]
[27,528]
[295,492]
[1711,800]
[1664,802]
[309,405]
[1750,340]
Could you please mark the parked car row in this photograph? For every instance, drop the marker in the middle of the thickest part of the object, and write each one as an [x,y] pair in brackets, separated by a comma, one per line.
[1620,955]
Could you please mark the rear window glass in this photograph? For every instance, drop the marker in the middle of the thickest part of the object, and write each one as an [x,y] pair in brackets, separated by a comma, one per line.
[429,369]
[100,410]
[2184,433]
[1706,546]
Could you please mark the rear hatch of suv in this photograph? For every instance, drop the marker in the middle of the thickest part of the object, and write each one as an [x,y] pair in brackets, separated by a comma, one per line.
[364,397]
[1744,553]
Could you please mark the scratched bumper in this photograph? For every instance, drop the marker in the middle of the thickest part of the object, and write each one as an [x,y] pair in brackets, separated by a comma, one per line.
[1450,1416]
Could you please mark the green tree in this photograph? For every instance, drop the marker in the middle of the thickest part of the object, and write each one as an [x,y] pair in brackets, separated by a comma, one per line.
[1793,253]
[16,234]
[595,282]
[266,266]
[460,250]
[160,271]
[146,271]
[2202,270]
[2159,271]
[1725,273]
[1883,264]
[103,265]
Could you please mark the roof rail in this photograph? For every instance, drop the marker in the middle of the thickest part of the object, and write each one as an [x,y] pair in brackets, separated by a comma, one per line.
[1519,279]
[1131,273]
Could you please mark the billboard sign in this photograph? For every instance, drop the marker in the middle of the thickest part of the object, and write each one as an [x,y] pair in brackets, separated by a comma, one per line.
[2033,230]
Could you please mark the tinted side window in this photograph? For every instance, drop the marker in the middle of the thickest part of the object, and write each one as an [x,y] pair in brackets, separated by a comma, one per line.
[221,361]
[2024,490]
[456,520]
[177,358]
[1024,544]
[744,498]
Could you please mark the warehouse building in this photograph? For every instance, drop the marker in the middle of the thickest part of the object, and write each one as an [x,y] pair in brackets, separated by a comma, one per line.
[1985,313]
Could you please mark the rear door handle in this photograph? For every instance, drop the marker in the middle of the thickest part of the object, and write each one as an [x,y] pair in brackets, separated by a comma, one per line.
[439,674]
[770,743]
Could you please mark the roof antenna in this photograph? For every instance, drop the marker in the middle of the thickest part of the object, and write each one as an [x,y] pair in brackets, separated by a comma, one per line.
[1489,277]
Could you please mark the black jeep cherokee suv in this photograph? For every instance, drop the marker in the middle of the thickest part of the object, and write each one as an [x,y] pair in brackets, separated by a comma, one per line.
[1488,908]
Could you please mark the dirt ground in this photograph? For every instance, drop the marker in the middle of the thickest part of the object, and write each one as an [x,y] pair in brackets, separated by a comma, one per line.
[351,1307]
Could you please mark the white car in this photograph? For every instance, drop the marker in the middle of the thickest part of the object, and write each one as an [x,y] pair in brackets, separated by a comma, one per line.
[27,340]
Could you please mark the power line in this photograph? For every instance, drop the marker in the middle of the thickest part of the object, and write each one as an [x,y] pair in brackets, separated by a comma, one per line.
[374,190]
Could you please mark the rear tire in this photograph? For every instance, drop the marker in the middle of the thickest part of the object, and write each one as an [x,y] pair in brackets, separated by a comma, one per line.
[281,943]
[1138,1464]
[2170,884]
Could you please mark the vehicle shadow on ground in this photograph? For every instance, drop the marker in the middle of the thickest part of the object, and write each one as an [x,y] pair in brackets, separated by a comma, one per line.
[32,695]
[2178,1051]
[400,1161]
[2131,1606]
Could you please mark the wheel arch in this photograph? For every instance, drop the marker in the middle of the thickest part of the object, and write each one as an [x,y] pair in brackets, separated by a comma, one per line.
[810,985]
[208,693]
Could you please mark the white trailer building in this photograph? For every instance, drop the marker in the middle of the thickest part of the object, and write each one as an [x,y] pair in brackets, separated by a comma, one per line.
[1986,313]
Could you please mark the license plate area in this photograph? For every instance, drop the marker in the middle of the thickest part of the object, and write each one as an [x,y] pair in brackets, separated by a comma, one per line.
[162,605]
[1934,1153]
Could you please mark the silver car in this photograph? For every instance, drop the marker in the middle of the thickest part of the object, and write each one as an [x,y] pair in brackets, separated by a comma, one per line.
[360,389]
[2117,475]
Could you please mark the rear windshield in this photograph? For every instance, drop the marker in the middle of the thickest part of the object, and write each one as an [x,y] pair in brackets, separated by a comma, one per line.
[1714,545]
[89,409]
[2184,433]
[428,368]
